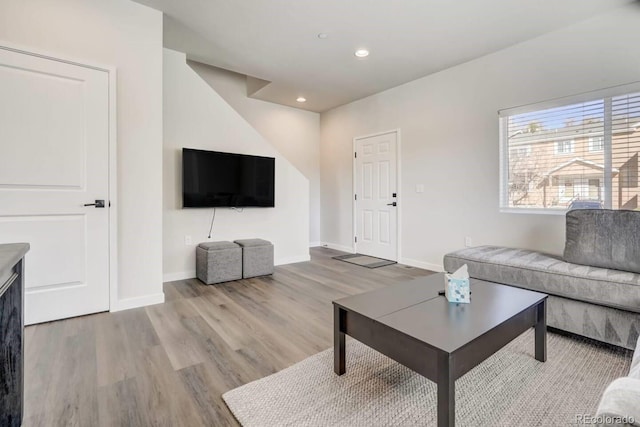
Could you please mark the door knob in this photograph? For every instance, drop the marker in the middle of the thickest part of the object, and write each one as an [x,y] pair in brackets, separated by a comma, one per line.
[97,204]
[392,204]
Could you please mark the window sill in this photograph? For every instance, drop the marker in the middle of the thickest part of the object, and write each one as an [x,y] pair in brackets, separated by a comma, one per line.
[534,211]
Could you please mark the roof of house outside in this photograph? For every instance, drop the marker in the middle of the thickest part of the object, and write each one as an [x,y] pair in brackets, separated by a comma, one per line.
[581,161]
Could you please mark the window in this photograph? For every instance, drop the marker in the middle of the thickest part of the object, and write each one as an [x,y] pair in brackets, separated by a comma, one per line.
[521,151]
[564,147]
[596,143]
[585,147]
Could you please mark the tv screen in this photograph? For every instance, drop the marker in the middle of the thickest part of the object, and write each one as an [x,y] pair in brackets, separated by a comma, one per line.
[215,179]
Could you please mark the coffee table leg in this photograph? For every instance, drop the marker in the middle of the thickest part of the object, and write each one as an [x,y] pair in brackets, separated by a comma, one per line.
[338,341]
[446,392]
[541,331]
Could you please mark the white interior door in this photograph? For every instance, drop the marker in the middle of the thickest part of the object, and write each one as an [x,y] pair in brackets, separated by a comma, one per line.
[376,190]
[54,158]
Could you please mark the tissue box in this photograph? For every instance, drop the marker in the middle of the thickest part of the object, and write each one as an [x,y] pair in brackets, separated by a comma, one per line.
[457,290]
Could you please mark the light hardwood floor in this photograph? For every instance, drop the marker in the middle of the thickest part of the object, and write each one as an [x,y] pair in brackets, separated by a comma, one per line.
[169,364]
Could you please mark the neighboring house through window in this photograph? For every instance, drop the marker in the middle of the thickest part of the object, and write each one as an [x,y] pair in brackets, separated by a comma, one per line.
[585,147]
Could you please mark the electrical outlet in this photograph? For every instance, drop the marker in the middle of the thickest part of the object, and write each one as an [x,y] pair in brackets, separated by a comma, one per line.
[419,188]
[468,242]
[187,240]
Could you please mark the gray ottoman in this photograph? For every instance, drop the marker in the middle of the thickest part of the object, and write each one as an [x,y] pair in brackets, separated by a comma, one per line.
[257,257]
[218,262]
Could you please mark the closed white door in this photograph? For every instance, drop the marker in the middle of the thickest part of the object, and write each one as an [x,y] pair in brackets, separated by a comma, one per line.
[375,198]
[54,147]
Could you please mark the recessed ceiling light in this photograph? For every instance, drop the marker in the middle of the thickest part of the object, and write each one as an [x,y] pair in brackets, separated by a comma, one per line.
[323,35]
[301,99]
[362,53]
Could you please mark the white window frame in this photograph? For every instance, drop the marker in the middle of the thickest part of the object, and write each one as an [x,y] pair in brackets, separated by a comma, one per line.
[562,143]
[592,146]
[522,151]
[607,94]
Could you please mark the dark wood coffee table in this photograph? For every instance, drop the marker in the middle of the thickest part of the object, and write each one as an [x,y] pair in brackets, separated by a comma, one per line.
[442,341]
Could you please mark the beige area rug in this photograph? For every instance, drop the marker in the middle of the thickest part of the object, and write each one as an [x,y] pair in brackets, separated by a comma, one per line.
[510,388]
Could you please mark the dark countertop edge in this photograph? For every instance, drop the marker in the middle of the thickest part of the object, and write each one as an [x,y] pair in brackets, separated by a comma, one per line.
[11,253]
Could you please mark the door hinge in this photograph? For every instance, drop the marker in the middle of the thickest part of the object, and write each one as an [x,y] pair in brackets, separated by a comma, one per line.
[355,155]
[356,197]
[356,239]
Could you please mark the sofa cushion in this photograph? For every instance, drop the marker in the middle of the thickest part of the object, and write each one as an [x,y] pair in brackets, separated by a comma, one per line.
[634,372]
[603,238]
[619,404]
[549,274]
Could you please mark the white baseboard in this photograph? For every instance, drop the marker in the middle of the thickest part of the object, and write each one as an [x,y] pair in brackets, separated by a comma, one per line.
[438,268]
[339,247]
[315,244]
[181,275]
[292,259]
[127,303]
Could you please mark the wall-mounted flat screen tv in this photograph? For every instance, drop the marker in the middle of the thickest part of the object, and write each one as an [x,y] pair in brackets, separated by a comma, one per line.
[215,179]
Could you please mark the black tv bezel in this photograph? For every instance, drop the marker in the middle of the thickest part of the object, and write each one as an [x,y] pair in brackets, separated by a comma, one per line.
[185,206]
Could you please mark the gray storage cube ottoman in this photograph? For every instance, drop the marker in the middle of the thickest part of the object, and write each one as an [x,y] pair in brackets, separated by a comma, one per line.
[218,262]
[257,257]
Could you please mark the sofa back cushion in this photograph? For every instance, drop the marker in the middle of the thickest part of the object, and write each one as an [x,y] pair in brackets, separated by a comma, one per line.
[603,238]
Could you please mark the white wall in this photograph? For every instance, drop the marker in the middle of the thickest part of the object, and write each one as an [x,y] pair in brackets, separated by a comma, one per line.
[128,36]
[449,131]
[293,132]
[195,116]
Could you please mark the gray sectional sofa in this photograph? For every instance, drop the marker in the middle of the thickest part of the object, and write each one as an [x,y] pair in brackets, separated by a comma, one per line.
[620,403]
[594,289]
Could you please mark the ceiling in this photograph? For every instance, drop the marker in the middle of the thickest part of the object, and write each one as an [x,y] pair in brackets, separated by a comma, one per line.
[277,40]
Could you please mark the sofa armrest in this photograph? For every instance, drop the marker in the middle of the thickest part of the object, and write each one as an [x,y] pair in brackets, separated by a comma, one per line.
[620,403]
